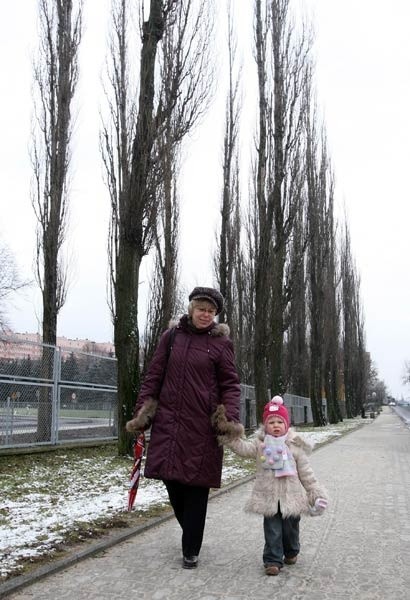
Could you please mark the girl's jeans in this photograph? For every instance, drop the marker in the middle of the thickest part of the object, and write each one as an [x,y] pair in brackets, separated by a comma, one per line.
[281,538]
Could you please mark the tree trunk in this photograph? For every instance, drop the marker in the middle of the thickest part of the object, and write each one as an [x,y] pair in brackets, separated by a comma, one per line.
[263,233]
[56,78]
[137,220]
[126,338]
[277,326]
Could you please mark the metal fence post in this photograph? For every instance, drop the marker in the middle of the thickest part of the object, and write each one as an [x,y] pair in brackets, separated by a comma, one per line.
[55,404]
[8,420]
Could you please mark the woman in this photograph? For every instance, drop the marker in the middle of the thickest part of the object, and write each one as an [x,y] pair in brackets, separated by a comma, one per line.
[190,395]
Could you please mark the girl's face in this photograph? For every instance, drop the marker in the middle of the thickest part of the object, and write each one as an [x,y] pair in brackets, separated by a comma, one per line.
[203,314]
[275,426]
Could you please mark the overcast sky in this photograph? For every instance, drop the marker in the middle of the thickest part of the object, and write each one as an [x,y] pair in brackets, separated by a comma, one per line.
[363,80]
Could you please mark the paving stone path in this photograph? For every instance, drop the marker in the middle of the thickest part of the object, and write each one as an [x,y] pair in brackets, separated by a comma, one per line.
[359,549]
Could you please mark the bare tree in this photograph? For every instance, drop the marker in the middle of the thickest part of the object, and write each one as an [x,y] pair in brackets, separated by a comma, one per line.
[242,297]
[226,243]
[296,350]
[332,375]
[55,76]
[361,363]
[244,286]
[318,257]
[324,321]
[116,136]
[406,372]
[234,259]
[186,87]
[283,72]
[140,159]
[263,221]
[129,158]
[378,393]
[354,351]
[10,281]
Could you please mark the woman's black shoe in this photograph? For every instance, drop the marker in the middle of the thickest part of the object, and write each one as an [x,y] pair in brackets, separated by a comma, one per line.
[190,562]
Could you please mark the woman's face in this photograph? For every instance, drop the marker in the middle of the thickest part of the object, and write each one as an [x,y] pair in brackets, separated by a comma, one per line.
[203,314]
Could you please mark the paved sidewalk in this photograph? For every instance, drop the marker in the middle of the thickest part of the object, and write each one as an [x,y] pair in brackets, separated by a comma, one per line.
[358,550]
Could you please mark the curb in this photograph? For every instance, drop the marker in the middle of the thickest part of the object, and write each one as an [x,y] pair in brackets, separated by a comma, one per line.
[403,418]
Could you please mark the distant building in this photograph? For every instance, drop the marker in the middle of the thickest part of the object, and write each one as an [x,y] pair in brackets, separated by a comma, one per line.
[29,345]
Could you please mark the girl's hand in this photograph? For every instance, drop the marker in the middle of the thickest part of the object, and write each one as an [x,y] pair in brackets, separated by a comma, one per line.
[318,508]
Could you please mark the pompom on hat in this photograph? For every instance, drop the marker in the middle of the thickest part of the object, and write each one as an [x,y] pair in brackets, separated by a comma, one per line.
[210,294]
[276,408]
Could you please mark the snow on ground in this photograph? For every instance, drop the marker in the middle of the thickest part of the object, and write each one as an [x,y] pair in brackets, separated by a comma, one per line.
[44,514]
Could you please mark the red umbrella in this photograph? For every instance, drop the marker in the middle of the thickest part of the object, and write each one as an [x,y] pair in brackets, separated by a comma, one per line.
[139,445]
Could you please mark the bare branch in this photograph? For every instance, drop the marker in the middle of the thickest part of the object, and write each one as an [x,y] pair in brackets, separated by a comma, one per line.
[10,281]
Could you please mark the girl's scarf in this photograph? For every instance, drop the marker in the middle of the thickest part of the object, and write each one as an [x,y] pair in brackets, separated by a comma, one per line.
[277,456]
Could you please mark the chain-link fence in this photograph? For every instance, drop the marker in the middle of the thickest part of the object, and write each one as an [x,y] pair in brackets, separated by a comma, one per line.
[50,395]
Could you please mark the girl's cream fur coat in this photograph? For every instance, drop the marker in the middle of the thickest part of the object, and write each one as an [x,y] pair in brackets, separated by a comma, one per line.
[295,493]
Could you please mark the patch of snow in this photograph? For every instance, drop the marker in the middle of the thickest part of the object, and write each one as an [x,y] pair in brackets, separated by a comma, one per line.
[33,525]
[36,523]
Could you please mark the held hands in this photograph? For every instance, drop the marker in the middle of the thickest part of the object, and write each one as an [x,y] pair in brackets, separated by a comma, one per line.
[226,431]
[318,508]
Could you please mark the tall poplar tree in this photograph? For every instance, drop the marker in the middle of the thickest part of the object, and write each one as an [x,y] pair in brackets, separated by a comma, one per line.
[55,78]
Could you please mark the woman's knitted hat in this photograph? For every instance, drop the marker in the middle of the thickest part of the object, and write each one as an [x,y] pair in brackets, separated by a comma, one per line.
[276,408]
[210,294]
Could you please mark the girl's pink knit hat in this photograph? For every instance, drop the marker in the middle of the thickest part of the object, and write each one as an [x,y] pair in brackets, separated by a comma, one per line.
[276,408]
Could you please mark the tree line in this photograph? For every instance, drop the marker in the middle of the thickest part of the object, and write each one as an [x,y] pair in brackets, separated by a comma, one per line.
[282,259]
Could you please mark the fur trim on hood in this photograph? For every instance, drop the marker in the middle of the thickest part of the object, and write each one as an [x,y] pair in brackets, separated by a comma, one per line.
[143,418]
[227,430]
[219,330]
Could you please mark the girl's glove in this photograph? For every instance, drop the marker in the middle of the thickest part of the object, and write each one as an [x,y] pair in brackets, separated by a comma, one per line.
[318,508]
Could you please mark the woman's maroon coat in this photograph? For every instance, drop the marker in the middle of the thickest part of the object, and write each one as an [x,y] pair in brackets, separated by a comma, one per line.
[200,374]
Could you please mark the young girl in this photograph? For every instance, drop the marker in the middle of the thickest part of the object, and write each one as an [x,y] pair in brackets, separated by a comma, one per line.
[285,486]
